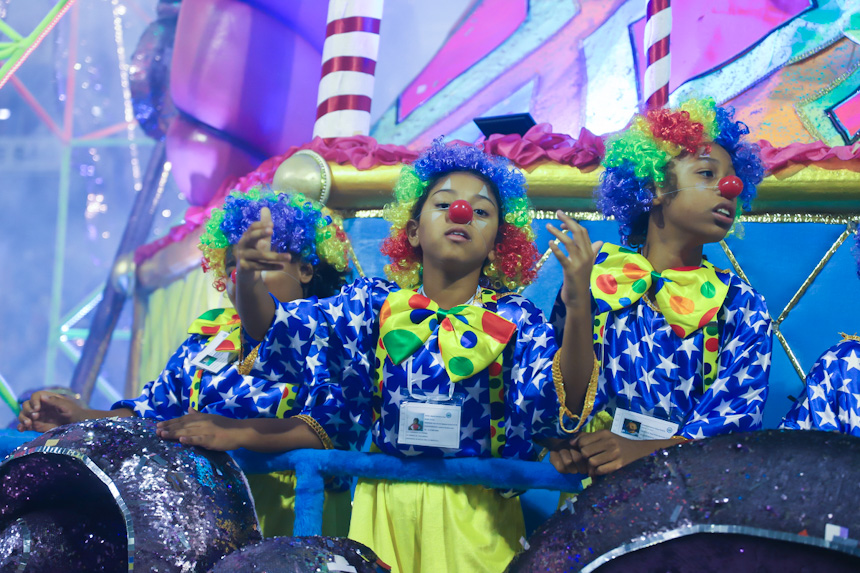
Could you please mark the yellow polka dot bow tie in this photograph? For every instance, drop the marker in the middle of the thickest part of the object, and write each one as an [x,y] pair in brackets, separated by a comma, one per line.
[214,321]
[470,337]
[688,297]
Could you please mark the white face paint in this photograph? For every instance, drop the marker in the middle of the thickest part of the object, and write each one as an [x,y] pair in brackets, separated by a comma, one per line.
[437,213]
[484,193]
[446,185]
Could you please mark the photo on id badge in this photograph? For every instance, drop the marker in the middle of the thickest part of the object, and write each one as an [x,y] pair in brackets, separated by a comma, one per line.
[208,360]
[631,427]
[417,424]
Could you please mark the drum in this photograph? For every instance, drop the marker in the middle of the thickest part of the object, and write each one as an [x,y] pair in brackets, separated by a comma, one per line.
[109,495]
[769,501]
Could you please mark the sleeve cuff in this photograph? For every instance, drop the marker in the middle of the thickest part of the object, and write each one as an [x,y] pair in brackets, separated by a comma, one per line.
[567,418]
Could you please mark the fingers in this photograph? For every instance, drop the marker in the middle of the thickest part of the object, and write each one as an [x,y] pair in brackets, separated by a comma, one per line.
[255,233]
[578,244]
[266,216]
[199,441]
[568,461]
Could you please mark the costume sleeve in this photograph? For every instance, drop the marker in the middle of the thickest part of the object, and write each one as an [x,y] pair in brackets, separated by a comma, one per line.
[831,400]
[329,344]
[532,399]
[735,401]
[162,398]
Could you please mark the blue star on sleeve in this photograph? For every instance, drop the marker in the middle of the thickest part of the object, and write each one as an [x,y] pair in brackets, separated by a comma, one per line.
[831,400]
[735,401]
[162,398]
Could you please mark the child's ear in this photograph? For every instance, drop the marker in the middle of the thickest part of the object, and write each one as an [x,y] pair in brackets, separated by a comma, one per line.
[306,273]
[491,256]
[412,233]
[659,193]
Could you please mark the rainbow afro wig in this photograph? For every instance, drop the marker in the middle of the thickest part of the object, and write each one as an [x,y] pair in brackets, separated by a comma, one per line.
[516,254]
[636,160]
[301,226]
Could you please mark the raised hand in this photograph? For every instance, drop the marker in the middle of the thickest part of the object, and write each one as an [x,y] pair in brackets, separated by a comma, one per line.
[576,263]
[254,249]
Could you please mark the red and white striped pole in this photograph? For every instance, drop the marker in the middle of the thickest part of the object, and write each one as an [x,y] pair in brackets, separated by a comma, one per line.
[348,67]
[658,25]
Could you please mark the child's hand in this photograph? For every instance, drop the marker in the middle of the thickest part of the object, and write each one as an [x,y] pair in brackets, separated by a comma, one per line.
[578,261]
[606,452]
[254,249]
[208,431]
[45,410]
[567,459]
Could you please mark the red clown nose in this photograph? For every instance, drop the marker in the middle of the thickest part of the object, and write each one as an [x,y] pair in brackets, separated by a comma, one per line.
[460,212]
[731,186]
[233,276]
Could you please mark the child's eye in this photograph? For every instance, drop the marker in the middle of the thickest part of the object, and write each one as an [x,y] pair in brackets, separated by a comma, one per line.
[481,213]
[442,205]
[706,173]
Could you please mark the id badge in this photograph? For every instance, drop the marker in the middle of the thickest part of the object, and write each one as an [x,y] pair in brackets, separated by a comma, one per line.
[210,359]
[635,426]
[435,424]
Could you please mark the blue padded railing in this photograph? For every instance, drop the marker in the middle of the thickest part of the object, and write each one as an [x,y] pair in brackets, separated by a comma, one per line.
[312,466]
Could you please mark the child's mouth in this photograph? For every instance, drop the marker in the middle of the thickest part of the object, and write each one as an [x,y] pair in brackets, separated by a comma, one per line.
[457,235]
[724,215]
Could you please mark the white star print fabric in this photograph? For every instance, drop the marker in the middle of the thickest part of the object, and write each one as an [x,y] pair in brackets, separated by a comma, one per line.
[649,370]
[831,399]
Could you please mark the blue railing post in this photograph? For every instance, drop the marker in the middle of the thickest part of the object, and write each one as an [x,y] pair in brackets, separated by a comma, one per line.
[310,497]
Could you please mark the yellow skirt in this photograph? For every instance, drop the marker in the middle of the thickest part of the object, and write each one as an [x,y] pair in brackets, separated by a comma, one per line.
[433,528]
[275,501]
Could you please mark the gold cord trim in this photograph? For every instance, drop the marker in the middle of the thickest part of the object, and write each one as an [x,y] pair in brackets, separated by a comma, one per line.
[318,430]
[247,363]
[590,394]
[853,337]
[808,282]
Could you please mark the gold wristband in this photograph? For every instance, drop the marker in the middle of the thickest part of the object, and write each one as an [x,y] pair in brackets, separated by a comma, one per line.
[318,430]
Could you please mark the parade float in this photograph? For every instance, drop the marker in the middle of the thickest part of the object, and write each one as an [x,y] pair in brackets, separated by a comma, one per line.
[280,94]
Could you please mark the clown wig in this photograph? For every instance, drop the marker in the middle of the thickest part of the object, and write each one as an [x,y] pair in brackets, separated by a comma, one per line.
[516,254]
[301,226]
[636,160]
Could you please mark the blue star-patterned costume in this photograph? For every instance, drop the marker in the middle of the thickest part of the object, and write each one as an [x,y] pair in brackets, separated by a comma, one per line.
[648,369]
[832,394]
[227,393]
[342,332]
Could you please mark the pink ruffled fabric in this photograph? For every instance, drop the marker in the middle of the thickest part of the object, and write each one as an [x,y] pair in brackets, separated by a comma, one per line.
[540,143]
[776,158]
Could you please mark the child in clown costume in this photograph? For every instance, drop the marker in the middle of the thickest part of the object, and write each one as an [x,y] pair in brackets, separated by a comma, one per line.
[676,346]
[205,395]
[831,400]
[473,365]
